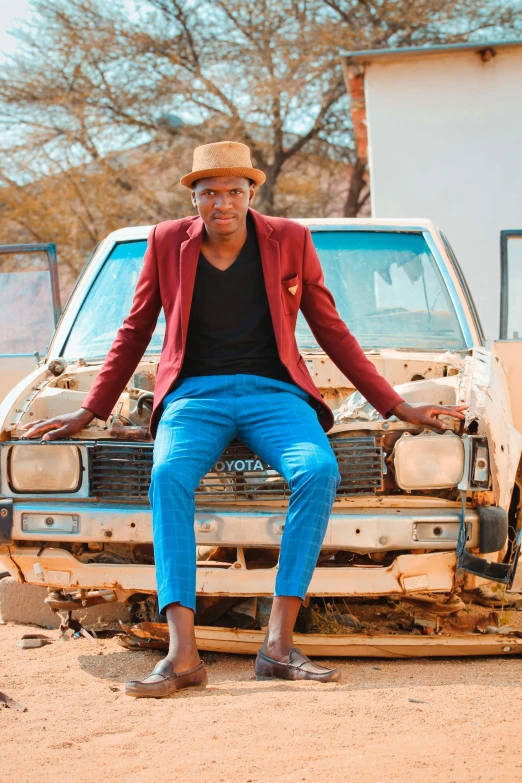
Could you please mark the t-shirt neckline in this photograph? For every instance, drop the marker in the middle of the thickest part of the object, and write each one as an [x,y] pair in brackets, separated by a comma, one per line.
[250,228]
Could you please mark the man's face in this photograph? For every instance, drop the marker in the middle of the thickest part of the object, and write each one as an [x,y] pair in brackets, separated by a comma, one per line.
[223,202]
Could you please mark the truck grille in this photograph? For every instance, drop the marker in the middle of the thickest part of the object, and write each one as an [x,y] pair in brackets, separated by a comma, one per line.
[121,471]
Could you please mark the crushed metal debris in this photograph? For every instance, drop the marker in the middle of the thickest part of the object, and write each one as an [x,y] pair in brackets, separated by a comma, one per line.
[69,626]
[358,619]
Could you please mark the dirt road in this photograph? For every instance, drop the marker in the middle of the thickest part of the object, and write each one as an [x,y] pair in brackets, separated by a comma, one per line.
[80,727]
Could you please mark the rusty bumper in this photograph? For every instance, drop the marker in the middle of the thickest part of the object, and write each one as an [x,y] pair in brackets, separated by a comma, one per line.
[434,572]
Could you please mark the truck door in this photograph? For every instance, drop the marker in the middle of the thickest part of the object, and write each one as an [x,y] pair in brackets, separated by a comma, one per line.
[30,308]
[509,345]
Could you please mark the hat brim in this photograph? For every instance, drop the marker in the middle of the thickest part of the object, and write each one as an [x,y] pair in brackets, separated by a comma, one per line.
[255,175]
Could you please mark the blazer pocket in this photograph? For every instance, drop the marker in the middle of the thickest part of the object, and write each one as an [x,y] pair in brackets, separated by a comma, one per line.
[291,294]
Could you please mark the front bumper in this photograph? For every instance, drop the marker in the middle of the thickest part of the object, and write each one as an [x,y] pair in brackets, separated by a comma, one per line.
[357,530]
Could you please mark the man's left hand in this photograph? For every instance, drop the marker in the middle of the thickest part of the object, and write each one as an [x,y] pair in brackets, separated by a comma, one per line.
[426,415]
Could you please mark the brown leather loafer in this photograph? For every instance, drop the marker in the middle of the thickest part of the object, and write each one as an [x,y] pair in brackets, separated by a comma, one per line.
[299,667]
[170,682]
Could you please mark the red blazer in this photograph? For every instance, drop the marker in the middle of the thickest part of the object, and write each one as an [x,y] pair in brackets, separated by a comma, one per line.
[289,259]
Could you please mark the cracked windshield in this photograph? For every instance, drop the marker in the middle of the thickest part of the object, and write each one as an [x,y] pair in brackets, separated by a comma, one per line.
[387,288]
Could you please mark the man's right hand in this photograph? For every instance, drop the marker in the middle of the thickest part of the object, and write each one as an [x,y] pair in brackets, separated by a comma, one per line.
[60,426]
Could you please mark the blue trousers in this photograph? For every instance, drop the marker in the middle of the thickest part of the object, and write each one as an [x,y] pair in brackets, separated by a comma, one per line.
[273,418]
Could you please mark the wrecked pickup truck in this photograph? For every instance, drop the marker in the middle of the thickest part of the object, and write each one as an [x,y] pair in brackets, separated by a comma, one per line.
[422,519]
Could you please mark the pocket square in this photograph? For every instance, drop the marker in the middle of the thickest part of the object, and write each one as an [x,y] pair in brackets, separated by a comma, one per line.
[293,288]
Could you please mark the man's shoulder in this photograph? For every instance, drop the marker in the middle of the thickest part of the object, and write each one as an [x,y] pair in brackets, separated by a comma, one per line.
[172,228]
[283,227]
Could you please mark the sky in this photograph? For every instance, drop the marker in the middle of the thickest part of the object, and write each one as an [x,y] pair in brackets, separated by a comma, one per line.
[10,13]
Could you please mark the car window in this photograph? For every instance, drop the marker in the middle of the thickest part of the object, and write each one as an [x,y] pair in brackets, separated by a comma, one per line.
[107,304]
[387,287]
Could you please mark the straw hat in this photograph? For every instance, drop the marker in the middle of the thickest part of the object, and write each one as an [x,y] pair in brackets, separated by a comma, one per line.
[222,159]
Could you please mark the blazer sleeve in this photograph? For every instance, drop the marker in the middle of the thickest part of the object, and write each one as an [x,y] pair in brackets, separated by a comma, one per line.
[336,340]
[131,339]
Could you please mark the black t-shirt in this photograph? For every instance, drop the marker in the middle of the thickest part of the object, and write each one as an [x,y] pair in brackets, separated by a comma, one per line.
[230,330]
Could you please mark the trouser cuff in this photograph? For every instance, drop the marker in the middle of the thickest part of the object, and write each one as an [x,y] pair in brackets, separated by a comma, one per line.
[171,595]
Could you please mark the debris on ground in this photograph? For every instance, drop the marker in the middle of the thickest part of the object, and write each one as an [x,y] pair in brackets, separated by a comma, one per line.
[58,601]
[492,596]
[30,641]
[7,701]
[130,642]
[70,627]
[425,615]
[487,621]
[332,618]
[436,605]
[427,626]
[154,636]
[25,603]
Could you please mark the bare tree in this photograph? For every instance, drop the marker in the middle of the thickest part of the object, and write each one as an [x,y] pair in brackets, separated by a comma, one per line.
[102,106]
[376,24]
[254,71]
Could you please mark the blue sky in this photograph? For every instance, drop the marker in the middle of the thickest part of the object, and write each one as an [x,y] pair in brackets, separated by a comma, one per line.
[10,13]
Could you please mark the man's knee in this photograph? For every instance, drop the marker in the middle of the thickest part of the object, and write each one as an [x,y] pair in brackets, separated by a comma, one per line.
[320,468]
[174,475]
[329,469]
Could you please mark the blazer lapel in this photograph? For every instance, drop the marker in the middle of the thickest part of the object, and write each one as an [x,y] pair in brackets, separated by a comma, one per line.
[271,261]
[189,255]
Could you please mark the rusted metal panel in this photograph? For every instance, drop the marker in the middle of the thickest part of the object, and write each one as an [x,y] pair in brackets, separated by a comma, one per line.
[408,574]
[509,352]
[245,642]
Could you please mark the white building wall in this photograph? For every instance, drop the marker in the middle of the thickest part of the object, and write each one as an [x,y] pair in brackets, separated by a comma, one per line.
[445,142]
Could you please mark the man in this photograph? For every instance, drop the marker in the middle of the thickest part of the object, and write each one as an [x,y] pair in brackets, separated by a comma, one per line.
[231,283]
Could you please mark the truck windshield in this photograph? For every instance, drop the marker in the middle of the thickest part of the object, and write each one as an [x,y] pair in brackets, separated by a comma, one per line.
[387,287]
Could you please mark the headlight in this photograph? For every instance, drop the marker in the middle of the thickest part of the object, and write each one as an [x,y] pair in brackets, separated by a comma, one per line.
[42,469]
[429,461]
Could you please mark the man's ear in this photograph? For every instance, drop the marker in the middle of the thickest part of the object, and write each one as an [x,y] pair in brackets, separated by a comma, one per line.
[252,193]
[193,199]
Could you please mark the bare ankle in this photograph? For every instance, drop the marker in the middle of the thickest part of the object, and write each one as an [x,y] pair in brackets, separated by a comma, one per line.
[277,648]
[184,656]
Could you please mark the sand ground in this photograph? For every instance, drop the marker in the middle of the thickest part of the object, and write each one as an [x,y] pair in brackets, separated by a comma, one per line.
[80,727]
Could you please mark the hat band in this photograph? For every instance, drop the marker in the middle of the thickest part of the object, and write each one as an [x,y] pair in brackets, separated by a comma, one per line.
[257,176]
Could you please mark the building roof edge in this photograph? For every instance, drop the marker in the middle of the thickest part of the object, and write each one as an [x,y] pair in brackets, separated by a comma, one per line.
[366,55]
